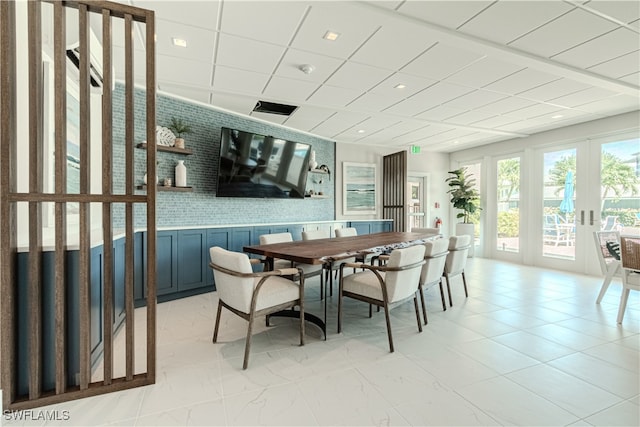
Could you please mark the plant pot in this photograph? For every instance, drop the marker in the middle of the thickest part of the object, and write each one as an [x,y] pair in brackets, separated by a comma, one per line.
[469,230]
[179,143]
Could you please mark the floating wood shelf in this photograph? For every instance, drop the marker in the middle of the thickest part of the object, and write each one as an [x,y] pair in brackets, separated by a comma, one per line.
[163,188]
[185,151]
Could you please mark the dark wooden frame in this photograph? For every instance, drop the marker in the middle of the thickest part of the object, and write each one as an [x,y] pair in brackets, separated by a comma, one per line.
[10,197]
[253,313]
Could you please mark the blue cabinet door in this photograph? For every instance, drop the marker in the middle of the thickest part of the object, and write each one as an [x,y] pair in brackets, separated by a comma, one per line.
[192,260]
[139,290]
[95,297]
[361,227]
[118,282]
[240,237]
[166,262]
[216,237]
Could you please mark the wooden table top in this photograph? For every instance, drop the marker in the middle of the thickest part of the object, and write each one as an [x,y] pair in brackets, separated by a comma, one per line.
[320,251]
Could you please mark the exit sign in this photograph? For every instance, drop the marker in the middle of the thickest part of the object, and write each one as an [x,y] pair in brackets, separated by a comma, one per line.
[415,149]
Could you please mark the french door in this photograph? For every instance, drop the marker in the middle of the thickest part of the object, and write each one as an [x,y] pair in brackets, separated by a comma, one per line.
[581,188]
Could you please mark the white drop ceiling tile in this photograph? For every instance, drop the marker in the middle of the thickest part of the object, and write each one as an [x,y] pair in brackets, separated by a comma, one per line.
[535,111]
[289,90]
[625,11]
[196,13]
[582,97]
[139,67]
[451,135]
[248,54]
[371,102]
[305,117]
[331,96]
[428,98]
[521,81]
[450,14]
[506,105]
[349,20]
[425,132]
[496,23]
[239,103]
[612,105]
[494,122]
[259,23]
[483,72]
[618,67]
[441,61]
[413,84]
[440,113]
[635,24]
[188,93]
[199,41]
[518,126]
[338,123]
[369,126]
[633,78]
[394,45]
[233,80]
[569,30]
[195,72]
[469,117]
[273,118]
[358,76]
[604,48]
[475,99]
[323,65]
[553,89]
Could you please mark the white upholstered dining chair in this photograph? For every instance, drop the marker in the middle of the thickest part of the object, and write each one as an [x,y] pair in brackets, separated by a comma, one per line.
[457,261]
[392,283]
[630,261]
[435,256]
[609,264]
[426,230]
[250,295]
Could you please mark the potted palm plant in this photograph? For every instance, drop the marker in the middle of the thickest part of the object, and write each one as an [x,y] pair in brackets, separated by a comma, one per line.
[465,197]
[179,127]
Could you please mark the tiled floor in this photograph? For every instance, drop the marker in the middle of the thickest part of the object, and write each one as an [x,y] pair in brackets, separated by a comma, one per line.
[528,347]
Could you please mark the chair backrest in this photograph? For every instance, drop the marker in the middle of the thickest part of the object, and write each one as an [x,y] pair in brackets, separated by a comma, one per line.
[233,290]
[404,283]
[604,256]
[346,232]
[609,223]
[630,253]
[435,256]
[315,234]
[426,230]
[457,256]
[267,239]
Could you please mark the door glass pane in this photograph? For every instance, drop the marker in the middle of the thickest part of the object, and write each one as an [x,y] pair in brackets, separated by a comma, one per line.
[508,208]
[620,186]
[559,194]
[416,203]
[474,171]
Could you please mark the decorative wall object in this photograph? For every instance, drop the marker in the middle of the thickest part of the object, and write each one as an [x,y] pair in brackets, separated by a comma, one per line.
[181,174]
[359,188]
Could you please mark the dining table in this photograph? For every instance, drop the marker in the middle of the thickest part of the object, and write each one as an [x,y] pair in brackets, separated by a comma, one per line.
[329,251]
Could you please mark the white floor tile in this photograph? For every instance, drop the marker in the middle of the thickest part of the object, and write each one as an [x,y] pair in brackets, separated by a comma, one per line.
[623,414]
[496,356]
[533,346]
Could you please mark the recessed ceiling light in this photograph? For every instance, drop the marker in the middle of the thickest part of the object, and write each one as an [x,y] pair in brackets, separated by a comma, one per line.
[331,36]
[399,86]
[179,42]
[361,131]
[557,116]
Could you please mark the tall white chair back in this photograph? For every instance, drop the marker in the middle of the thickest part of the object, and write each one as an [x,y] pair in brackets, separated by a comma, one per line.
[630,259]
[346,232]
[435,256]
[609,265]
[456,261]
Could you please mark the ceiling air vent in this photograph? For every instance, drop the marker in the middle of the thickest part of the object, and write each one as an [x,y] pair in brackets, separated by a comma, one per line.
[274,108]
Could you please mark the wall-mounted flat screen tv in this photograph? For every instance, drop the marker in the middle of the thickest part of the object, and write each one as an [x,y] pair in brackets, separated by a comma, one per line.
[253,165]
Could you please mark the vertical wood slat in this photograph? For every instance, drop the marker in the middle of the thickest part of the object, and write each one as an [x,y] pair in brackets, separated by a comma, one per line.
[394,171]
[60,102]
[129,141]
[107,173]
[35,208]
[8,217]
[85,207]
[151,195]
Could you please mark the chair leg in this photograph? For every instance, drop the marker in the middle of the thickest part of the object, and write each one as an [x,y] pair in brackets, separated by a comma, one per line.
[444,304]
[415,304]
[386,316]
[247,345]
[449,290]
[424,307]
[215,328]
[301,322]
[340,305]
[623,303]
[464,282]
[370,311]
[611,271]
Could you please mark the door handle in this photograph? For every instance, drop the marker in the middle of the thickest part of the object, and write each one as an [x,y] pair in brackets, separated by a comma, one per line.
[590,217]
[581,217]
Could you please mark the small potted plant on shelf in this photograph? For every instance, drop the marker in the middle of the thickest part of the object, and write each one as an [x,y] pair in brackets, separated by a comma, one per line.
[179,127]
[464,196]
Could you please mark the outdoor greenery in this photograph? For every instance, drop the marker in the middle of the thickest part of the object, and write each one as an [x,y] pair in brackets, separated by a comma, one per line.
[508,178]
[464,195]
[508,223]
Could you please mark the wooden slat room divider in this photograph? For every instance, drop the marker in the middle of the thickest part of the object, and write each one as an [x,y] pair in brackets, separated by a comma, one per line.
[71,382]
[394,189]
